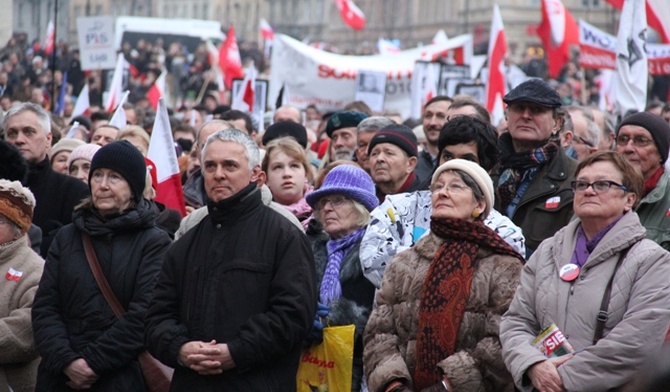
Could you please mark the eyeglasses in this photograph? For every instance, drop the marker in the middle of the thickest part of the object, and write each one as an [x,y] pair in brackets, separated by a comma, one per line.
[452,189]
[638,141]
[583,141]
[600,186]
[335,201]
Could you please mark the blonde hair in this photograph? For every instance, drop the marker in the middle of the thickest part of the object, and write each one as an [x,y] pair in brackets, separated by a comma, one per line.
[134,130]
[290,147]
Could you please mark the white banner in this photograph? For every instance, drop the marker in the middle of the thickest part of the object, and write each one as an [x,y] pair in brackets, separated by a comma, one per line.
[96,42]
[328,80]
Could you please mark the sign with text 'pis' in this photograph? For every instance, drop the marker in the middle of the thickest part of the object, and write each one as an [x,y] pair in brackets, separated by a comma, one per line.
[96,42]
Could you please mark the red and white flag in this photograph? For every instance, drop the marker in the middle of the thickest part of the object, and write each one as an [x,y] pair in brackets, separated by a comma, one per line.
[351,14]
[119,117]
[266,30]
[230,61]
[116,87]
[162,152]
[83,103]
[495,89]
[13,275]
[658,16]
[49,41]
[244,99]
[557,31]
[630,85]
[156,91]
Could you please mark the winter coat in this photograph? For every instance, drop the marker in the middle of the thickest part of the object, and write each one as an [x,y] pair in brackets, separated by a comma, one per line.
[192,219]
[56,195]
[638,312]
[401,220]
[243,276]
[72,319]
[20,271]
[653,212]
[358,294]
[546,205]
[390,336]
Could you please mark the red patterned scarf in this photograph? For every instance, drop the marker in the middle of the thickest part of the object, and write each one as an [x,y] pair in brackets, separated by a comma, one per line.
[446,290]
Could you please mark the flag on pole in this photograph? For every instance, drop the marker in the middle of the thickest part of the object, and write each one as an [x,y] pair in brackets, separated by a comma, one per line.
[557,31]
[49,41]
[164,156]
[156,90]
[119,116]
[630,84]
[266,30]
[244,99]
[229,58]
[351,14]
[658,16]
[83,103]
[495,89]
[62,92]
[116,87]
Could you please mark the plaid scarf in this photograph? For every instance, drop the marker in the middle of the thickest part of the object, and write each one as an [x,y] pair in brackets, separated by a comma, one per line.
[516,165]
[446,290]
[337,248]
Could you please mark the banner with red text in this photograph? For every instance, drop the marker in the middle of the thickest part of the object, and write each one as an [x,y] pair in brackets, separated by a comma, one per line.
[328,80]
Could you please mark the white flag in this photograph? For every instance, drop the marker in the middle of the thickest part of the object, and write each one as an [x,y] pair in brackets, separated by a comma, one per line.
[119,116]
[83,103]
[630,85]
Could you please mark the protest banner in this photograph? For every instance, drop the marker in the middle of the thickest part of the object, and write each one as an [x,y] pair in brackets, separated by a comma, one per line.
[96,42]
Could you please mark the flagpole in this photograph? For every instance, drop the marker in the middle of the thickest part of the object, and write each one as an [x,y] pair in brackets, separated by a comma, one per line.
[53,58]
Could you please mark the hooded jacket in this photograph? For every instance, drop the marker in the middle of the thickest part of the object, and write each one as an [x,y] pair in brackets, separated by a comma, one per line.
[72,319]
[638,312]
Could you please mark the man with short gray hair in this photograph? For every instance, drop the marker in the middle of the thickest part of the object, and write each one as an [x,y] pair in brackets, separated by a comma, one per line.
[366,130]
[229,314]
[28,127]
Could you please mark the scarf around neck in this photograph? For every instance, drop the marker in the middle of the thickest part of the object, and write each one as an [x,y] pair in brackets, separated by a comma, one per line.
[516,164]
[651,182]
[446,290]
[331,289]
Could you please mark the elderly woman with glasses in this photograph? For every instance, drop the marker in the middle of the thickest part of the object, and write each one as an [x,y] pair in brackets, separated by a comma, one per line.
[435,327]
[599,282]
[644,139]
[342,207]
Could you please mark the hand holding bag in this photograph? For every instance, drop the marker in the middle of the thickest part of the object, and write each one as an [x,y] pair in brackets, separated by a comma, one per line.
[157,376]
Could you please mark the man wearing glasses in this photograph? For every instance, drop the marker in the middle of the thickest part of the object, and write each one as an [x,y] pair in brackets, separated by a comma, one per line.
[643,139]
[533,175]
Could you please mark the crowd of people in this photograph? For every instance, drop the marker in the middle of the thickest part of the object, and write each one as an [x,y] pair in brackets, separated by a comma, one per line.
[450,245]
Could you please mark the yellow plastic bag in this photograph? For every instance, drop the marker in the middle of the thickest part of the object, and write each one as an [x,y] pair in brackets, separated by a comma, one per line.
[327,367]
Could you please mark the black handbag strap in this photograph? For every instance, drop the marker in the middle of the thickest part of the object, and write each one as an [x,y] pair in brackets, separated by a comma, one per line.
[601,319]
[93,262]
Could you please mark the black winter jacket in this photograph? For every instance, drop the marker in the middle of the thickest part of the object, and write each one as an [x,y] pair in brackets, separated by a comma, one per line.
[71,318]
[243,276]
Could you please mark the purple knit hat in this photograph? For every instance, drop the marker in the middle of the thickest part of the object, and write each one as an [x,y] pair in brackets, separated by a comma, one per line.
[350,181]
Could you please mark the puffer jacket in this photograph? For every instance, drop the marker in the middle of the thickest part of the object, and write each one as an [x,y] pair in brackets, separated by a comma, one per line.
[390,336]
[72,319]
[638,312]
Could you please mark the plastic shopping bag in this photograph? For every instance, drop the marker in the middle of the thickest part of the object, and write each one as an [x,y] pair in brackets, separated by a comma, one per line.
[327,367]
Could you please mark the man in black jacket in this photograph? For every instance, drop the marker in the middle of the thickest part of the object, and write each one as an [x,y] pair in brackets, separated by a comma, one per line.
[236,296]
[28,127]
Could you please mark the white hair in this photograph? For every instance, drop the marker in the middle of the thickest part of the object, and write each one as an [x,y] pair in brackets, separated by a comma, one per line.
[42,115]
[251,149]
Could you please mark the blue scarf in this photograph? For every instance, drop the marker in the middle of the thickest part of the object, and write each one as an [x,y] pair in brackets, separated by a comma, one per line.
[337,249]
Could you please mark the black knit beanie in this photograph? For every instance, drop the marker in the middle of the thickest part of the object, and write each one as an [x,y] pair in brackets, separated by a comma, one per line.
[400,135]
[659,129]
[286,128]
[125,159]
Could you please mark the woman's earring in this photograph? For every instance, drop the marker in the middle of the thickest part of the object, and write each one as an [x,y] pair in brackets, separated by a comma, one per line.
[475,214]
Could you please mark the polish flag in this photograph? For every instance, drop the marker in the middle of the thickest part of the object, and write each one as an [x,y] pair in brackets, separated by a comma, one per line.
[630,84]
[557,31]
[163,154]
[495,89]
[229,59]
[13,275]
[351,14]
[49,41]
[156,90]
[116,87]
[83,104]
[658,16]
[244,99]
[119,117]
[266,30]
